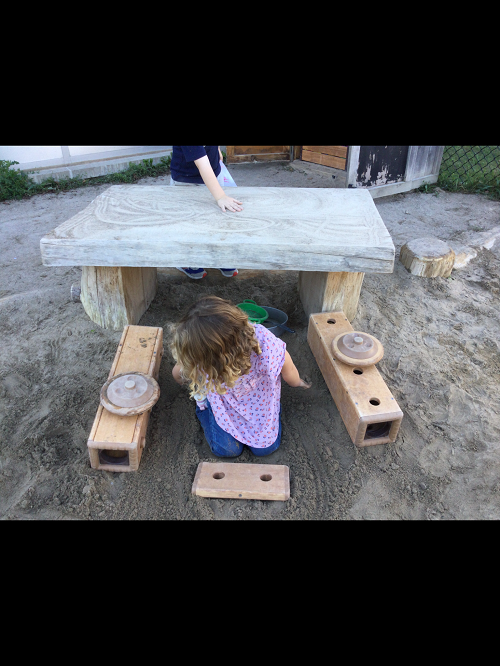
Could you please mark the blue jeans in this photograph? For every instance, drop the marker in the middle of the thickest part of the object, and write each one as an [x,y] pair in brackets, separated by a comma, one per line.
[224,445]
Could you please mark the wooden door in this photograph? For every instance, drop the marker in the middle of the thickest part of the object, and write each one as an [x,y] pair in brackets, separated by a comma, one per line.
[259,153]
[331,156]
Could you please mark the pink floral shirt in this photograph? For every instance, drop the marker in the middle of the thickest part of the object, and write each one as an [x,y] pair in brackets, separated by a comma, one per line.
[250,411]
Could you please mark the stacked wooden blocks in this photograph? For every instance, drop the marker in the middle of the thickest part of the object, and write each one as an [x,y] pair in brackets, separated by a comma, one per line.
[116,442]
[368,409]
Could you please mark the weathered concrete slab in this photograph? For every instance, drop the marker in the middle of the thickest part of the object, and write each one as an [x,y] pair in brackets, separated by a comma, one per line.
[307,229]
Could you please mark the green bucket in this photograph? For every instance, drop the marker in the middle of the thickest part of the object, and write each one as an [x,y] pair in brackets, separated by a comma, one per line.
[255,313]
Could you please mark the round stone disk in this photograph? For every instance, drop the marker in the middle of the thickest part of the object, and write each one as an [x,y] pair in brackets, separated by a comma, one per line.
[357,345]
[130,393]
[357,348]
[130,390]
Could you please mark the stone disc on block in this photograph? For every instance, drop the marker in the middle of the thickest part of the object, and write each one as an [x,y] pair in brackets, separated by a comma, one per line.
[356,348]
[130,393]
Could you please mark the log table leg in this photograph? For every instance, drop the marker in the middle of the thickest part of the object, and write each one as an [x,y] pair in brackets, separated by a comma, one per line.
[115,296]
[330,292]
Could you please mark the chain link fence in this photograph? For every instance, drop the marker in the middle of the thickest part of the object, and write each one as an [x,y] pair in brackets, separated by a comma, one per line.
[471,169]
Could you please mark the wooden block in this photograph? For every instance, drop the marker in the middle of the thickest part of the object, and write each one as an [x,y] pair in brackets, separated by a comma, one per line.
[367,407]
[116,296]
[116,443]
[242,481]
[323,292]
[427,257]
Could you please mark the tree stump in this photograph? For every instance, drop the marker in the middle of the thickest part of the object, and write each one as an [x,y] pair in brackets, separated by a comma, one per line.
[427,257]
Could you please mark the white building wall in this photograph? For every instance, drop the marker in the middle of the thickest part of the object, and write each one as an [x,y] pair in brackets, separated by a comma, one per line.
[23,154]
[68,161]
[77,151]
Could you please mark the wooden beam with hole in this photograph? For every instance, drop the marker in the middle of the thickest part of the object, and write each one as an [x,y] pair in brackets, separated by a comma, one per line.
[242,481]
[116,443]
[368,409]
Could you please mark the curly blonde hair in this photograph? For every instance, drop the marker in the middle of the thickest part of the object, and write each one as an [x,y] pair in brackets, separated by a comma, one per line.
[212,343]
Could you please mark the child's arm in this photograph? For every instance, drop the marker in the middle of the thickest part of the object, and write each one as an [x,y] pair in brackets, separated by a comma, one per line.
[291,375]
[210,180]
[176,374]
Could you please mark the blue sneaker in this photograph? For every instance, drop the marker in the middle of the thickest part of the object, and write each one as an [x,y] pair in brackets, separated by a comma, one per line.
[195,273]
[229,272]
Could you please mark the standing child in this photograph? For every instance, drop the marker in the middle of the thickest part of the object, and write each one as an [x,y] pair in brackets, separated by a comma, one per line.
[234,370]
[198,165]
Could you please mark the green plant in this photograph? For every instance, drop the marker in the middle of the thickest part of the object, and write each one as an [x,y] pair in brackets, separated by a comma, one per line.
[428,188]
[471,169]
[13,183]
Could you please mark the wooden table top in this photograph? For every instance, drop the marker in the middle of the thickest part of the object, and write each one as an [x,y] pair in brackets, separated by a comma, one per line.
[309,229]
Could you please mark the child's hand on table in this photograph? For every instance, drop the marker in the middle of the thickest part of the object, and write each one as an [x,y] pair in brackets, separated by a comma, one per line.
[229,203]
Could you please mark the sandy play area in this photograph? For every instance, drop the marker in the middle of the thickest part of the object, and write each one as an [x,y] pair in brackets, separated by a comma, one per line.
[442,363]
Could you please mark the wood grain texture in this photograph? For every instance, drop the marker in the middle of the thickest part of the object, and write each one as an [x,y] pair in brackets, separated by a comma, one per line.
[242,481]
[324,292]
[259,153]
[310,229]
[114,297]
[267,157]
[337,151]
[325,160]
[423,161]
[140,350]
[259,150]
[427,257]
[353,392]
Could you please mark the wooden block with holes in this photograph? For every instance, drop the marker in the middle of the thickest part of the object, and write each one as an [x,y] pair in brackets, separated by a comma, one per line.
[116,443]
[367,407]
[242,481]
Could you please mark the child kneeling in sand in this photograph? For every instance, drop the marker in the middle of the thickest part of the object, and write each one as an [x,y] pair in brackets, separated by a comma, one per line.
[234,370]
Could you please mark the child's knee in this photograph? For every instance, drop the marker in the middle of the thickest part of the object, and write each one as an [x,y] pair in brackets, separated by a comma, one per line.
[232,452]
[225,454]
[261,453]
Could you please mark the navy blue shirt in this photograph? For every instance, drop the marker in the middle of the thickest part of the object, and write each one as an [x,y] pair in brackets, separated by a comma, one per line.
[182,167]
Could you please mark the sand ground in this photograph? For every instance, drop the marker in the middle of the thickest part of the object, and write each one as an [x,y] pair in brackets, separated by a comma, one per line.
[442,361]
